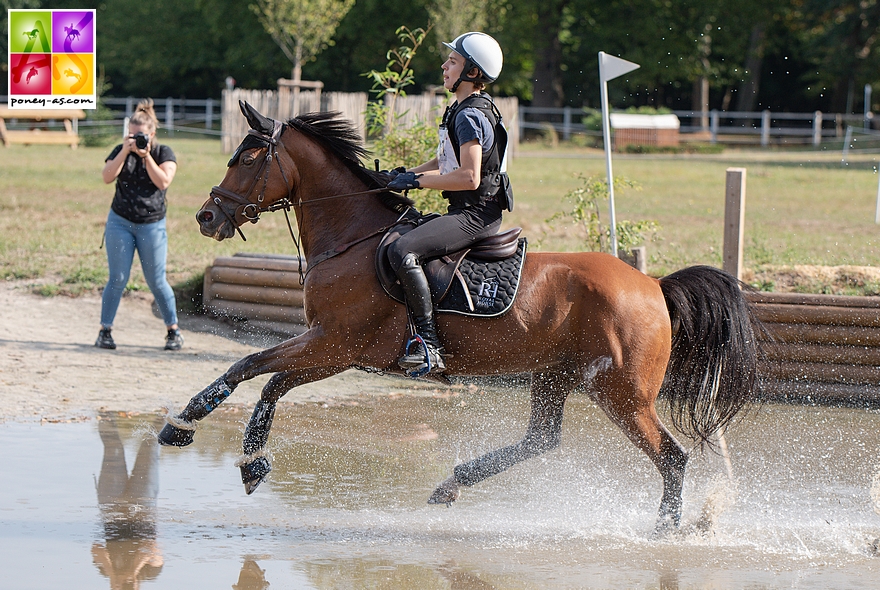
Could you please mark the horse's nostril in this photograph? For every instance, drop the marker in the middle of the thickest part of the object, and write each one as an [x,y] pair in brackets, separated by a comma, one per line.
[204,216]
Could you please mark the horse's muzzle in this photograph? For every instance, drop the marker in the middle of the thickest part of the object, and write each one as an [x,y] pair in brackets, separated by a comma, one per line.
[213,224]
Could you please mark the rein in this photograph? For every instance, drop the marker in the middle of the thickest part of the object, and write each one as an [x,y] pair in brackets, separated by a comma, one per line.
[252,211]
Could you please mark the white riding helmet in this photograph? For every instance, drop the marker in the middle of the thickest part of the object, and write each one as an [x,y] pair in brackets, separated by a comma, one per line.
[480,50]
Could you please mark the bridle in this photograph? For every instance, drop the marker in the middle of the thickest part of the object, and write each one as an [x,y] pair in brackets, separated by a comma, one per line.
[251,210]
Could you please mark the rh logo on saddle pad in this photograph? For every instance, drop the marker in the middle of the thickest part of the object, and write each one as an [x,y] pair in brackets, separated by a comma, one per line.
[487,294]
[51,59]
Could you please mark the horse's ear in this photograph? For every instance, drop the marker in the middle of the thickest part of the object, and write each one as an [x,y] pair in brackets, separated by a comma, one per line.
[257,121]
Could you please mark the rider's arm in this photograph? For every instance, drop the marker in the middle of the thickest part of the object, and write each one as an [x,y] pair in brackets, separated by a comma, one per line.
[464,178]
[431,164]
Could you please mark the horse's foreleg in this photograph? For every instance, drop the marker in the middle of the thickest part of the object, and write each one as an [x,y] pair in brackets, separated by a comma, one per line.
[544,433]
[181,428]
[254,463]
[303,351]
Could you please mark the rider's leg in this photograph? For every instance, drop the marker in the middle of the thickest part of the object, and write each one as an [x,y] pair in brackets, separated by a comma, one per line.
[418,298]
[456,230]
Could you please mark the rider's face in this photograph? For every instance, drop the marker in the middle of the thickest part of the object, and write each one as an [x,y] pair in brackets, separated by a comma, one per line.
[452,68]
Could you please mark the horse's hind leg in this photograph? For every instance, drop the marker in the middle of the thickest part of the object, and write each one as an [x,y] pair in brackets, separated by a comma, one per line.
[544,433]
[640,423]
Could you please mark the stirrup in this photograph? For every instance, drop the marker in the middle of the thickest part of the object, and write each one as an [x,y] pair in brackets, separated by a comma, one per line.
[428,359]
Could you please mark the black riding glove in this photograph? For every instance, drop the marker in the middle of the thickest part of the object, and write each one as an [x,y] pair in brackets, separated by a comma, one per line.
[404,181]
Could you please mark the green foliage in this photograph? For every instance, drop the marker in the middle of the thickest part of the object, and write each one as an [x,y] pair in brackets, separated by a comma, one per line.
[685,148]
[587,200]
[100,135]
[393,145]
[301,28]
[648,110]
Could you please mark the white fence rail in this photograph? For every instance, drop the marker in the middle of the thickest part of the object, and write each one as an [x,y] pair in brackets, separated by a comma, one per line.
[764,127]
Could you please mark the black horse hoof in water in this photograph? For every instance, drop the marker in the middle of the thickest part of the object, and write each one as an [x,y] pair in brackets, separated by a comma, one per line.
[254,473]
[172,436]
[446,493]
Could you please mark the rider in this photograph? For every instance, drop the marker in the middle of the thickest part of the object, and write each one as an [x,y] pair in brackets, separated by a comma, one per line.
[466,169]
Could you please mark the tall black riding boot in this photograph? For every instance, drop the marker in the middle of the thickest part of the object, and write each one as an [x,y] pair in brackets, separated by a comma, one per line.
[420,360]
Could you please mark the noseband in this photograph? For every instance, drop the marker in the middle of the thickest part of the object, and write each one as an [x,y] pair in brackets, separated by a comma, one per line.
[247,208]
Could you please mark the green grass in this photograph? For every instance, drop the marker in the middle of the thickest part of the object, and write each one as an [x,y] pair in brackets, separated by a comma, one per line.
[801,208]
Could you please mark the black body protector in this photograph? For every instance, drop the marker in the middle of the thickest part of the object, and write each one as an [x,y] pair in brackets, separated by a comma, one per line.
[494,181]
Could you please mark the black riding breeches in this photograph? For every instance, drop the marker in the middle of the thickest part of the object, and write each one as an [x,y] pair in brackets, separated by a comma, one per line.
[456,230]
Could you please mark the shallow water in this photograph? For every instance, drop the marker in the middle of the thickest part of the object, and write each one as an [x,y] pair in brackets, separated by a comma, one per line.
[345,505]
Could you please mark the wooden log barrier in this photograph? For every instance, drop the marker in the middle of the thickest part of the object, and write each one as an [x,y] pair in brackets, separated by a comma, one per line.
[820,346]
[259,288]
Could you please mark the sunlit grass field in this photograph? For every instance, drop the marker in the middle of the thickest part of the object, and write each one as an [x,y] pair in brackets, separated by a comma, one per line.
[802,207]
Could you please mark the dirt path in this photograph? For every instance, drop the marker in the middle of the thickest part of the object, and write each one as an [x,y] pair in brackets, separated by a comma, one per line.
[51,370]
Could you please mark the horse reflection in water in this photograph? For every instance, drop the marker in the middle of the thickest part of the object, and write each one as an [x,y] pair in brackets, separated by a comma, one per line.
[130,552]
[579,319]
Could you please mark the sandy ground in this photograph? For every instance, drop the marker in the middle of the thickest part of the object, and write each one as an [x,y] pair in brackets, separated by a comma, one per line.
[51,370]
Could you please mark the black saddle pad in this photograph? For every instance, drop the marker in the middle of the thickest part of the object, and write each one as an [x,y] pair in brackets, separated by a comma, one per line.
[489,287]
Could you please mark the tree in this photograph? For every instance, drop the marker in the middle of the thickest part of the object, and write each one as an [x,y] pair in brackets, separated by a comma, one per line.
[451,18]
[301,28]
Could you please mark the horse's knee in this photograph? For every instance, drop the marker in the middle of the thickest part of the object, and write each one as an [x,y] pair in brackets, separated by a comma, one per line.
[537,443]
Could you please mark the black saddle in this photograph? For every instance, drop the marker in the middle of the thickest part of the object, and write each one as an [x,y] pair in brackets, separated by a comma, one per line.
[443,272]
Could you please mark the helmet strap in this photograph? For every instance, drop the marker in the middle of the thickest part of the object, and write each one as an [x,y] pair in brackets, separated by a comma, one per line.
[468,66]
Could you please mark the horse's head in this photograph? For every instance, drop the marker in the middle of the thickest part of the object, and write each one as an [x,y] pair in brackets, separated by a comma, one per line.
[252,183]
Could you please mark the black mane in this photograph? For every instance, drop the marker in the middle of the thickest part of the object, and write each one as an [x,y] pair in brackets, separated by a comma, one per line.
[343,140]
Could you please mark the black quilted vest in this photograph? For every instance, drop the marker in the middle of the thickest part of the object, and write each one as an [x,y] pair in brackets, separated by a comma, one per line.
[493,182]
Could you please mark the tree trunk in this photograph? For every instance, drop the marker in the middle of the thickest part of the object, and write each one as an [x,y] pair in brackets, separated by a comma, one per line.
[547,86]
[700,100]
[297,75]
[747,95]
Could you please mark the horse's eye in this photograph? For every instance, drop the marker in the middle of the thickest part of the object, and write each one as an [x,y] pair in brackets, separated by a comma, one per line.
[247,159]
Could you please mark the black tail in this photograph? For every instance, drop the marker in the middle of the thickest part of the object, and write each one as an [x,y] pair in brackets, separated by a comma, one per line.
[711,372]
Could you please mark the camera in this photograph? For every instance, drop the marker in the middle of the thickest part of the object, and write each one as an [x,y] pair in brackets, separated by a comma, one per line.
[141,140]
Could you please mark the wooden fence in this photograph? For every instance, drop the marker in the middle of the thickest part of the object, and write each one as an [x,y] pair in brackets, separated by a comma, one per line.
[279,105]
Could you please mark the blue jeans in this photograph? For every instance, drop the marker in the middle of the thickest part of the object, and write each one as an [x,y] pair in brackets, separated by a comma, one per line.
[150,240]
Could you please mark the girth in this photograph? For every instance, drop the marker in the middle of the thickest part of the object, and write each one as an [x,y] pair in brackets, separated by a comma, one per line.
[441,272]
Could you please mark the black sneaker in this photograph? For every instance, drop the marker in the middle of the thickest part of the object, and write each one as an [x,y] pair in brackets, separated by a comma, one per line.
[173,340]
[105,340]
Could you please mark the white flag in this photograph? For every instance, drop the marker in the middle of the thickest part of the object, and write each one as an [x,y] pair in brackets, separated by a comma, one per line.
[611,67]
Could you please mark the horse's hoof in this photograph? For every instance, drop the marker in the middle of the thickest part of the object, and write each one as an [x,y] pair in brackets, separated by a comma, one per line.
[665,526]
[172,436]
[254,473]
[446,493]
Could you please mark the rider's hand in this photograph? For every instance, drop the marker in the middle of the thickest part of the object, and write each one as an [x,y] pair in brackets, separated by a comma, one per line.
[404,181]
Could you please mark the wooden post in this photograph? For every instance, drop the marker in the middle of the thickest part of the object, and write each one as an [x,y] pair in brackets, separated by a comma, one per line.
[734,220]
[817,128]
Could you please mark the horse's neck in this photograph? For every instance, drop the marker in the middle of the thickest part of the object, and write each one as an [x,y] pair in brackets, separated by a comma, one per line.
[334,222]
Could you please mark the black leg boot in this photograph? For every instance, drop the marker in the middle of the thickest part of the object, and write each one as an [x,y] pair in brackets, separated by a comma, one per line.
[420,359]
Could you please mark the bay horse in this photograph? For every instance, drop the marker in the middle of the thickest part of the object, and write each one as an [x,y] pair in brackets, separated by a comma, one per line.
[583,320]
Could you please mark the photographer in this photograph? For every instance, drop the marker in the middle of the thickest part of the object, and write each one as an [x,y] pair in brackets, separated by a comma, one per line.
[143,170]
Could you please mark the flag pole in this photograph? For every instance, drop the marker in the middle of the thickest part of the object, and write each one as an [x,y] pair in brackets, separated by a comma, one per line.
[606,137]
[610,67]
